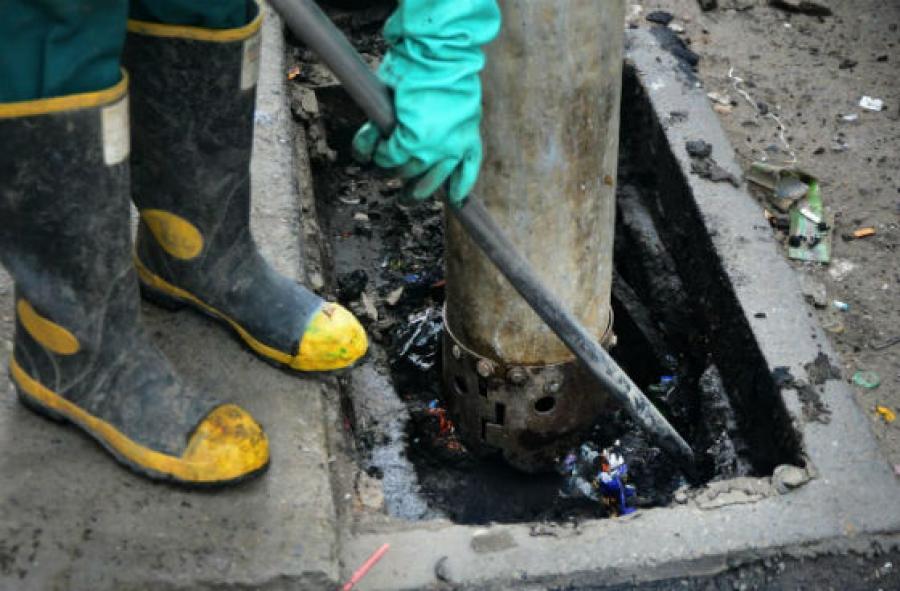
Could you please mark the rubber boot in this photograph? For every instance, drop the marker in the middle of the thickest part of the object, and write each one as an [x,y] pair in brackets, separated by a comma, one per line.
[194,93]
[80,352]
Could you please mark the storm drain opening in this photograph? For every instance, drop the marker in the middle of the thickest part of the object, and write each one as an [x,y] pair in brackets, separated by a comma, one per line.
[680,334]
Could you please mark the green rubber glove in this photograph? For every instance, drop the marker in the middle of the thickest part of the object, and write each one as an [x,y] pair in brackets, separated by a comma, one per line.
[432,66]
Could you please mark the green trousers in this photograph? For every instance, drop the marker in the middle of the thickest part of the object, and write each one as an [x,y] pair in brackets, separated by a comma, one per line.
[52,48]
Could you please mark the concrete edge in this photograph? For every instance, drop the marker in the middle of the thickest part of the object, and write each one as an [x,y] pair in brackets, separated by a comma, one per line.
[782,325]
[284,226]
[828,514]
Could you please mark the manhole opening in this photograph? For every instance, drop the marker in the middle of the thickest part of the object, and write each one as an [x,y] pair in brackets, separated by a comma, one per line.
[702,368]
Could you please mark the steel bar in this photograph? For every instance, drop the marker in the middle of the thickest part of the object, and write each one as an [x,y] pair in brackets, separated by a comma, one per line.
[312,26]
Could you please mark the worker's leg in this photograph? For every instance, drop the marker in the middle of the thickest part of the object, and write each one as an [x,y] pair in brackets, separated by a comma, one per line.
[54,48]
[194,92]
[206,14]
[80,352]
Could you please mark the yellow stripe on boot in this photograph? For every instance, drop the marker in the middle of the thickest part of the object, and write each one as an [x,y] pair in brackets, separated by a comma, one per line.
[47,333]
[227,445]
[333,339]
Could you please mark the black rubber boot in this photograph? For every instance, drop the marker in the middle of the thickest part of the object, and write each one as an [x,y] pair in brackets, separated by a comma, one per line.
[81,354]
[194,93]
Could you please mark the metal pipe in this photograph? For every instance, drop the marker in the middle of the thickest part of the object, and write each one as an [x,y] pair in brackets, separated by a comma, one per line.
[307,21]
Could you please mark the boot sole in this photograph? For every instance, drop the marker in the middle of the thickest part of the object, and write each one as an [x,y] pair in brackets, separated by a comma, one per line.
[35,404]
[158,291]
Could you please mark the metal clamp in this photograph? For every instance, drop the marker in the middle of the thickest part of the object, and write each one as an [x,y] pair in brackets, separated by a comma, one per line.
[528,413]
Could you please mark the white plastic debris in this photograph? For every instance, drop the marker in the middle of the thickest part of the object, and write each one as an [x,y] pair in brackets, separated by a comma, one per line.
[634,14]
[810,215]
[850,117]
[871,104]
[719,98]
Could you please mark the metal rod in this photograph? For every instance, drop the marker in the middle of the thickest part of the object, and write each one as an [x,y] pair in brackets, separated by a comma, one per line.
[312,26]
[307,21]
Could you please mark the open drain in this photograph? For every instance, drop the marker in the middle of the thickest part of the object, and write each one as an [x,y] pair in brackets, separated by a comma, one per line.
[395,254]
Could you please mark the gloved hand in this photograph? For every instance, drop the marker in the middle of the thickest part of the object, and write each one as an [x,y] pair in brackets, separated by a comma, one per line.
[432,65]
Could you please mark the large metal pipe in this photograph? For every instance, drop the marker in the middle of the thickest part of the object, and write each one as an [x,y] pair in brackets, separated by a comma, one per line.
[552,89]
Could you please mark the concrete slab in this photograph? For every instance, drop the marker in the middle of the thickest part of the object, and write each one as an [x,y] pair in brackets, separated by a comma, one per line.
[730,522]
[70,518]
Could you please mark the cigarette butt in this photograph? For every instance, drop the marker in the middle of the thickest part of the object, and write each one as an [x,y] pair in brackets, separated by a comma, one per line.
[864,232]
[887,414]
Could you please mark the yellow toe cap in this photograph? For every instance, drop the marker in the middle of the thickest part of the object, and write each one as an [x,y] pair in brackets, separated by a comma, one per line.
[226,445]
[334,339]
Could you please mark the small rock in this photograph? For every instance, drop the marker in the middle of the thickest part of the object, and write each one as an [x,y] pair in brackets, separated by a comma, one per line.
[834,326]
[369,307]
[719,99]
[349,199]
[786,478]
[839,144]
[360,217]
[351,285]
[316,282]
[814,291]
[304,103]
[723,109]
[698,149]
[394,297]
[369,492]
[840,269]
[677,28]
[681,497]
[393,184]
[661,17]
[633,15]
